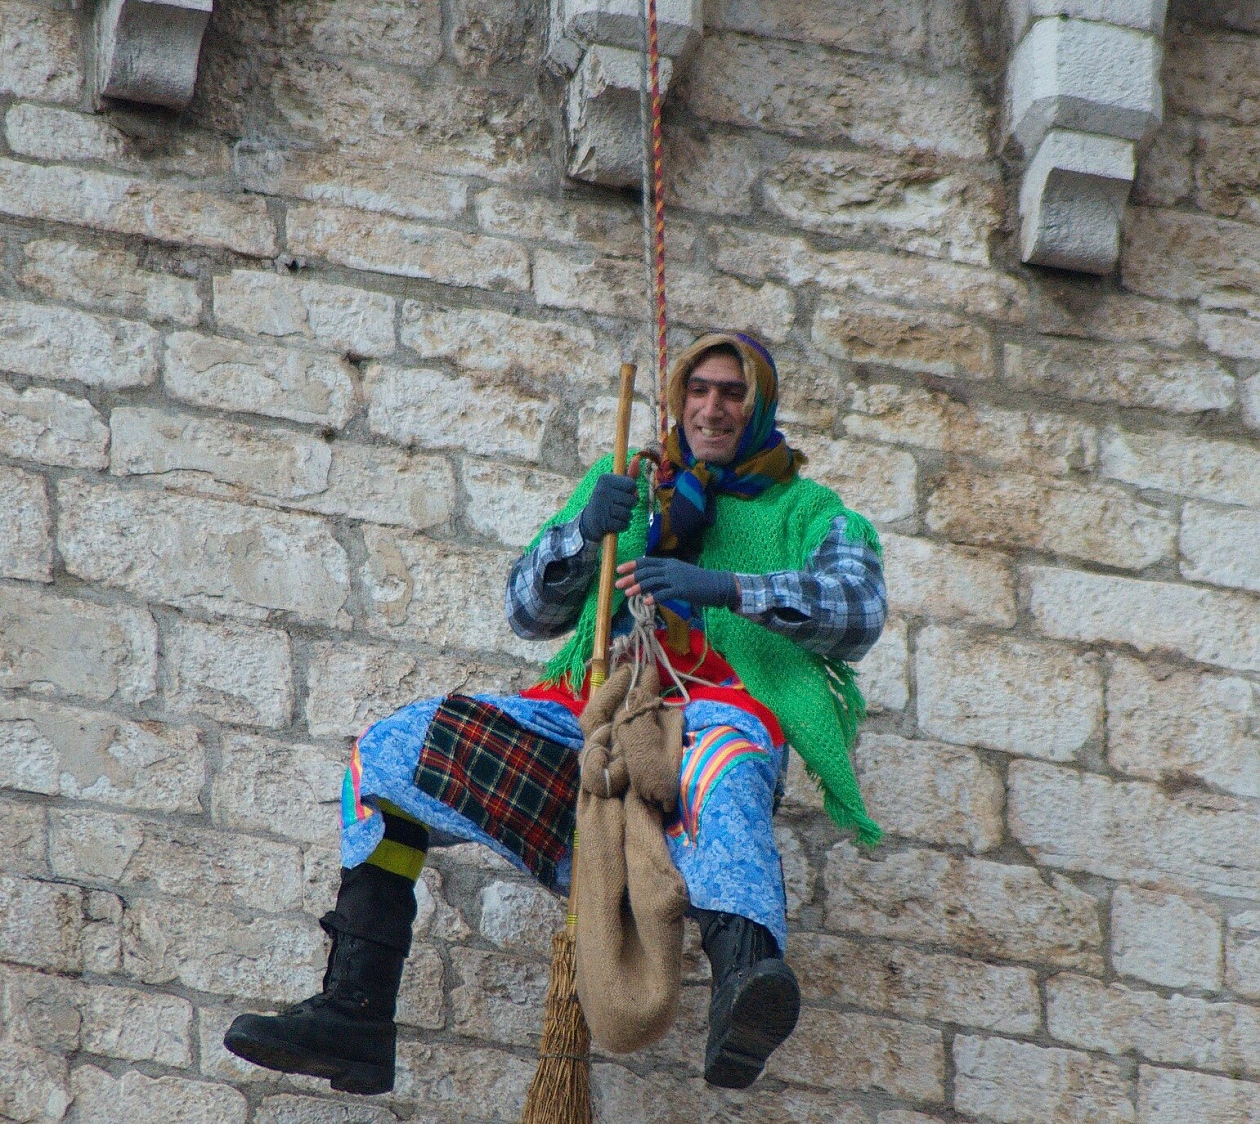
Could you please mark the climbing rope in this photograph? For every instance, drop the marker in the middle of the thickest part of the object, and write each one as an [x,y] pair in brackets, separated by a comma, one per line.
[654,206]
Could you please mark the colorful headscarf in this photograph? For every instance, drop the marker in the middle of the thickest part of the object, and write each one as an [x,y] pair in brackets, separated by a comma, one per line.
[687,488]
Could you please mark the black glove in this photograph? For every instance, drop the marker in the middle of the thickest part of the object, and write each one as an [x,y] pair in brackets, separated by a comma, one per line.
[668,579]
[609,508]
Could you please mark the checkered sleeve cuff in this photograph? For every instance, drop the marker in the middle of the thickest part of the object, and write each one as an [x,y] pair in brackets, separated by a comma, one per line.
[548,584]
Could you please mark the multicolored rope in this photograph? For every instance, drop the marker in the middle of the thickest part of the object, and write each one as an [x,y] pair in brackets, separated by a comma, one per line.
[658,206]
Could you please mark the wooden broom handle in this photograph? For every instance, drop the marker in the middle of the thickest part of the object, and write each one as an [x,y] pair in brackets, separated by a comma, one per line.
[608,565]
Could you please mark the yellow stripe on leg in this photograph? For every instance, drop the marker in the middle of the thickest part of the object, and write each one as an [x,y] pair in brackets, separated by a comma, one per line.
[397,858]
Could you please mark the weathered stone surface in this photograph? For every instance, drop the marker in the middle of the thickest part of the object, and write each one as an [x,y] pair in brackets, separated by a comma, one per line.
[40,53]
[41,924]
[25,526]
[906,203]
[23,837]
[339,318]
[209,948]
[607,286]
[548,356]
[134,1097]
[1134,832]
[91,755]
[1237,337]
[983,908]
[956,799]
[1170,725]
[1095,522]
[395,31]
[509,504]
[1221,546]
[863,1052]
[1165,173]
[1018,1083]
[800,880]
[712,175]
[1250,401]
[287,1108]
[883,670]
[60,343]
[277,381]
[1122,376]
[948,583]
[596,226]
[281,788]
[133,205]
[878,482]
[1180,1030]
[916,985]
[362,240]
[807,92]
[890,29]
[51,427]
[426,407]
[1242,954]
[1227,181]
[487,34]
[1035,700]
[34,1084]
[1064,309]
[64,645]
[189,551]
[1165,938]
[273,462]
[1206,625]
[230,672]
[111,280]
[1180,255]
[926,343]
[1213,74]
[456,1080]
[519,917]
[597,420]
[1034,441]
[499,998]
[1173,1096]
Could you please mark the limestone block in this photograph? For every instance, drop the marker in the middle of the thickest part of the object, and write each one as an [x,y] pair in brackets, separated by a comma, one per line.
[1130,375]
[34,1084]
[1242,954]
[1197,467]
[1098,523]
[1178,255]
[193,552]
[863,1052]
[396,31]
[41,924]
[134,1098]
[23,837]
[1170,725]
[1173,1096]
[280,382]
[500,997]
[362,240]
[426,407]
[1018,1083]
[1116,317]
[879,482]
[66,646]
[456,1080]
[916,985]
[1165,939]
[883,671]
[709,174]
[509,504]
[1237,337]
[800,880]
[955,799]
[51,427]
[607,286]
[597,420]
[230,672]
[701,300]
[1165,173]
[1072,198]
[147,50]
[25,525]
[1250,401]
[273,462]
[40,53]
[90,755]
[288,1108]
[982,908]
[1033,441]
[1144,15]
[60,343]
[948,583]
[355,322]
[1228,179]
[619,23]
[520,917]
[1210,74]
[1086,76]
[486,34]
[886,29]
[134,205]
[942,212]
[111,280]
[1221,546]
[1133,831]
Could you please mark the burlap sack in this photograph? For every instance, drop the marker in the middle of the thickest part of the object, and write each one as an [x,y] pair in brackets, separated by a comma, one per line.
[630,896]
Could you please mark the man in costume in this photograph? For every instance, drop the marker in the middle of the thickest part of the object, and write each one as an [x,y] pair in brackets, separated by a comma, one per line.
[765,588]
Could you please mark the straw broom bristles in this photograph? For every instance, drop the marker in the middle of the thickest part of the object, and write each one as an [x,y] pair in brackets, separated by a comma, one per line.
[561,1092]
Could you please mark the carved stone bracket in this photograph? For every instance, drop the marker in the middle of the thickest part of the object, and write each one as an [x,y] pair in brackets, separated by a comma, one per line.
[1083,98]
[147,50]
[597,46]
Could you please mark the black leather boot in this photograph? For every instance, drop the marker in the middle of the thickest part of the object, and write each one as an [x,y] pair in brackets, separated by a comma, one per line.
[755,1001]
[346,1033]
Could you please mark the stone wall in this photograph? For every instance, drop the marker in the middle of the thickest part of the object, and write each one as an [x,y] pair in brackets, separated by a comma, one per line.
[290,377]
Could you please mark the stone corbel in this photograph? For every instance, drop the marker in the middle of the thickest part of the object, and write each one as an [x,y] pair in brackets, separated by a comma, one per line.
[596,46]
[1083,98]
[147,50]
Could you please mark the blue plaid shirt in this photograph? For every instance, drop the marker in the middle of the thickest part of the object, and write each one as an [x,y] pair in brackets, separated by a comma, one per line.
[835,607]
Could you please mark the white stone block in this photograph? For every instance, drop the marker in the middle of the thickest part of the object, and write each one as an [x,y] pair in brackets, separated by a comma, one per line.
[619,23]
[1072,200]
[1145,15]
[1092,77]
[1165,938]
[147,50]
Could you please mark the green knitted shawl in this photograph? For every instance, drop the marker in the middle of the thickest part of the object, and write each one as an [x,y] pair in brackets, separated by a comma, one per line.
[816,700]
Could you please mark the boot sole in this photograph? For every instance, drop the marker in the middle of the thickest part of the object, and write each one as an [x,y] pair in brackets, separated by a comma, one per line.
[344,1074]
[763,1015]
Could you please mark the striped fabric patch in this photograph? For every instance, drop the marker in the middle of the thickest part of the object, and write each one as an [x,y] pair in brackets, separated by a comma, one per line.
[352,808]
[709,755]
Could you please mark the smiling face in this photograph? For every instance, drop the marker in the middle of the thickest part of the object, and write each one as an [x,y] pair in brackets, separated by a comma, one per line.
[713,408]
